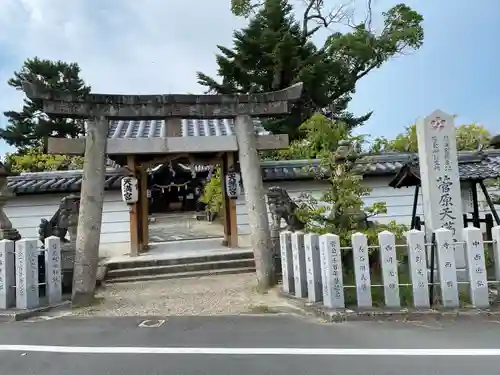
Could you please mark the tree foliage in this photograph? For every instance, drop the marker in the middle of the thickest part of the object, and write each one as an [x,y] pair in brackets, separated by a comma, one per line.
[243,8]
[31,126]
[321,137]
[34,160]
[212,193]
[341,208]
[271,54]
[469,137]
[276,50]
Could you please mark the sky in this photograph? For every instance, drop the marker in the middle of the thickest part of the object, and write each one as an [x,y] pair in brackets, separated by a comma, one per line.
[157,46]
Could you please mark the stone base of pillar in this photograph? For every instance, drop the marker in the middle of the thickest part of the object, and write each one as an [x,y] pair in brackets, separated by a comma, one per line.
[68,250]
[10,234]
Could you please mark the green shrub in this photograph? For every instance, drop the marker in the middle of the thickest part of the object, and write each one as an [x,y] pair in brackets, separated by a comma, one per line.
[212,193]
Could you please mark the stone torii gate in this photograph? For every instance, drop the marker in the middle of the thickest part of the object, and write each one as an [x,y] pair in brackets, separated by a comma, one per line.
[99,109]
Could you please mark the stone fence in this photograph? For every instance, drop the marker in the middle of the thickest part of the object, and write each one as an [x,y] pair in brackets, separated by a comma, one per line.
[19,273]
[312,268]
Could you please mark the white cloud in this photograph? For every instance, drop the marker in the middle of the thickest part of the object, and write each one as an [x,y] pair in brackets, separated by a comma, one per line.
[157,46]
[126,46]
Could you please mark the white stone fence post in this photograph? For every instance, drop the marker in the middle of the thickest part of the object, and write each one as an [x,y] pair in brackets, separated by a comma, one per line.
[7,275]
[313,268]
[19,273]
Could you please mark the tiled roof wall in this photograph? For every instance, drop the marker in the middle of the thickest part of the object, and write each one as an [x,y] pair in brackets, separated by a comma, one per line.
[58,182]
[376,165]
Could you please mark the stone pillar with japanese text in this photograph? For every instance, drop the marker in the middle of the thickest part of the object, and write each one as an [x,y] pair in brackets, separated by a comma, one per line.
[438,159]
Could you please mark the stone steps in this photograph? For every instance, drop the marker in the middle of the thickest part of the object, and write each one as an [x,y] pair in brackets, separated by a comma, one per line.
[189,244]
[150,268]
[179,268]
[179,275]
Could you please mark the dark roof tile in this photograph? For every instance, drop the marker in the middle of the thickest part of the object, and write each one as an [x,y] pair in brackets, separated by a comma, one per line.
[472,165]
[59,181]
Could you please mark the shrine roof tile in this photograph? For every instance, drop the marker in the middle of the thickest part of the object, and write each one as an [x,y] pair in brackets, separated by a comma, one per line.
[189,128]
[471,166]
[480,171]
[59,181]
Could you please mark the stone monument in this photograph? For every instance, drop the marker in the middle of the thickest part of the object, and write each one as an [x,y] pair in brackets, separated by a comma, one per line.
[282,208]
[70,209]
[441,193]
[7,232]
[64,222]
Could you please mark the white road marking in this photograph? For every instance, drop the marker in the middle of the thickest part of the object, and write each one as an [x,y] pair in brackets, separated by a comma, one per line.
[151,323]
[249,351]
[47,317]
[419,324]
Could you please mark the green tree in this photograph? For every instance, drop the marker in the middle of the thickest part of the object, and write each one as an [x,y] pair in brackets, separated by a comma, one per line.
[242,7]
[271,54]
[276,50]
[31,126]
[212,193]
[469,137]
[321,137]
[340,209]
[34,160]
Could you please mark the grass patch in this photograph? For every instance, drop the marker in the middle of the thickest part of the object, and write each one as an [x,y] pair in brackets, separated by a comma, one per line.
[259,290]
[262,309]
[96,301]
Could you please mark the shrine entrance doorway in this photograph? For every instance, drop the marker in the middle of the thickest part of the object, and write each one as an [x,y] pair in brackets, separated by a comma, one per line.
[138,146]
[176,188]
[176,194]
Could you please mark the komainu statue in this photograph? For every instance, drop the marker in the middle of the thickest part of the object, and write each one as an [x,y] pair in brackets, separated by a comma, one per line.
[60,222]
[283,207]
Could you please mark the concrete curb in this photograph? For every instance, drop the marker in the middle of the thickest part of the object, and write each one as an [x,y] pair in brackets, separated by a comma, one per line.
[404,314]
[19,315]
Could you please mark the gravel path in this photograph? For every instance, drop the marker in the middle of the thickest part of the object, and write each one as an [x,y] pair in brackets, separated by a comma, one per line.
[211,295]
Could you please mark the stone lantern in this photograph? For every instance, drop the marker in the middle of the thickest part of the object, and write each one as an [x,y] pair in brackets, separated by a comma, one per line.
[6,230]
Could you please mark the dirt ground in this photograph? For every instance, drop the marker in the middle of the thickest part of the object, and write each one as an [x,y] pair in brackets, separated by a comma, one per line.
[210,295]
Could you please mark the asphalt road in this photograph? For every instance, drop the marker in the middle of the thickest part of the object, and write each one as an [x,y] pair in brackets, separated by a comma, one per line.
[246,345]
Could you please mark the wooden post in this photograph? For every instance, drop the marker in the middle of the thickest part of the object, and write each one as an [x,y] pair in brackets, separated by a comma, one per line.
[255,202]
[233,225]
[229,205]
[475,203]
[134,211]
[90,216]
[225,202]
[144,209]
[139,216]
